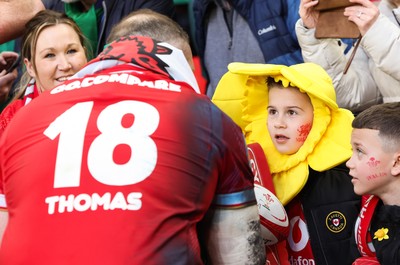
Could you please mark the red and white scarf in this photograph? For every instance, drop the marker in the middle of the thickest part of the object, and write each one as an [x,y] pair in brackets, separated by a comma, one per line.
[362,236]
[8,113]
[31,92]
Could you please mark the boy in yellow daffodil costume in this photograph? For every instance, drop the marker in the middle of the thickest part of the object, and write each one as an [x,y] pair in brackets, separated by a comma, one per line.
[312,181]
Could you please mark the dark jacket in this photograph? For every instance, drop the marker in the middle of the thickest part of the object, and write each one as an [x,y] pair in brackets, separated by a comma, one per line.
[388,248]
[271,21]
[115,10]
[324,194]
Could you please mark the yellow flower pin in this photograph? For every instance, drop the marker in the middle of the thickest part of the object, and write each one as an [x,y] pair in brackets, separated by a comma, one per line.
[381,234]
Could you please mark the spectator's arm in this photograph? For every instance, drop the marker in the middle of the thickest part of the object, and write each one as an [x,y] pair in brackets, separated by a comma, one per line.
[14,14]
[382,44]
[355,90]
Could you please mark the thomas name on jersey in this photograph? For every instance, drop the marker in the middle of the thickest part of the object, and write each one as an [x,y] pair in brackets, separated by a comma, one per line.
[86,202]
[122,78]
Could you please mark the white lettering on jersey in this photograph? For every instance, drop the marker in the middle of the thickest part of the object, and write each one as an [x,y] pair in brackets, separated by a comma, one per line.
[70,129]
[123,78]
[86,202]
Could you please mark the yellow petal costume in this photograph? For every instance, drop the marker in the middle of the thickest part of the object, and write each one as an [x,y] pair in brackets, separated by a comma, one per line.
[242,94]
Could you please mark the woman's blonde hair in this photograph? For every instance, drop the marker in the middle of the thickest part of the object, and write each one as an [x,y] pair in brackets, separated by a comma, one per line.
[33,28]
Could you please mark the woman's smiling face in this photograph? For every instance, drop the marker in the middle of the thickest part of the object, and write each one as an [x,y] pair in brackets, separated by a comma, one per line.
[59,54]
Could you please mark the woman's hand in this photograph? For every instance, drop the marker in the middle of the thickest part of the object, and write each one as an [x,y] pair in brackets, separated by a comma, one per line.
[6,82]
[308,14]
[363,15]
[7,58]
[6,79]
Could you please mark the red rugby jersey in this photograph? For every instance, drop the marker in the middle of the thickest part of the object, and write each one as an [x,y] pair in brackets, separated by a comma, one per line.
[117,168]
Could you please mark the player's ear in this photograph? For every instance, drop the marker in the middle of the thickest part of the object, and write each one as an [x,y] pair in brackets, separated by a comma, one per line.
[396,165]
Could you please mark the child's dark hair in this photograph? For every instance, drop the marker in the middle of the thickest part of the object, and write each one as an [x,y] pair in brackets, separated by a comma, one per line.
[382,117]
[270,81]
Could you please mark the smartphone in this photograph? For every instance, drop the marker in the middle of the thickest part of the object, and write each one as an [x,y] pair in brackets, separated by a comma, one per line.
[14,65]
[11,64]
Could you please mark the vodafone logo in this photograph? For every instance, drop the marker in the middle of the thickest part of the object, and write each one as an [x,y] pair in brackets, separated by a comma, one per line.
[298,230]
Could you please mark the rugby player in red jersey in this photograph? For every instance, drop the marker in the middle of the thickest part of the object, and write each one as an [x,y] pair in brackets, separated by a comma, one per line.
[127,163]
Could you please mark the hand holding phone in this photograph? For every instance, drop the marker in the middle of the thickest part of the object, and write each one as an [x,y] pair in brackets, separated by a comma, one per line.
[9,61]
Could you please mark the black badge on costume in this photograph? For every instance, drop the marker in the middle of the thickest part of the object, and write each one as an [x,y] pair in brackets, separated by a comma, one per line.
[336,222]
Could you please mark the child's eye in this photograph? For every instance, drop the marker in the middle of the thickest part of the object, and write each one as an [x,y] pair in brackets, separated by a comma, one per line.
[359,152]
[292,112]
[272,111]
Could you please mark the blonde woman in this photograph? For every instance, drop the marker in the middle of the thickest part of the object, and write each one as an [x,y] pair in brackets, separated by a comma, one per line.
[53,49]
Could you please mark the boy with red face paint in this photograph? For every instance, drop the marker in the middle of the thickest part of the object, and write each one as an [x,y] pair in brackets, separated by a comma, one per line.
[306,142]
[375,168]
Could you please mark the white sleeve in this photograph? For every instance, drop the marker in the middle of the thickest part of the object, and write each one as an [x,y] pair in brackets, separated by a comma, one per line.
[355,90]
[382,44]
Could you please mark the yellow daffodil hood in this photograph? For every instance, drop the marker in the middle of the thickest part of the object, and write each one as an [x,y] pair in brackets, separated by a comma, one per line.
[243,95]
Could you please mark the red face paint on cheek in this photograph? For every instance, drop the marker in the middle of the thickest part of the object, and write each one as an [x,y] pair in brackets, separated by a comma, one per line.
[303,131]
[372,162]
[377,175]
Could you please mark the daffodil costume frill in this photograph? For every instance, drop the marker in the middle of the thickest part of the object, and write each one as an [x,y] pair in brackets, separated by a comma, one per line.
[243,94]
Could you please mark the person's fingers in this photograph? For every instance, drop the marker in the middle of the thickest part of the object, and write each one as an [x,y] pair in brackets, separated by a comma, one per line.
[353,10]
[362,7]
[366,3]
[360,16]
[6,57]
[308,13]
[8,54]
[363,17]
[2,60]
[5,79]
[309,4]
[354,13]
[362,13]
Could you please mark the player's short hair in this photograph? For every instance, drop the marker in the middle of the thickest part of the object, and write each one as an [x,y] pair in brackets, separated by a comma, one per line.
[148,23]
